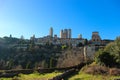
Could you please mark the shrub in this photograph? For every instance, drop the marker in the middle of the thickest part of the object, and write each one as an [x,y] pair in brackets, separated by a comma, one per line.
[96,70]
[105,58]
[114,72]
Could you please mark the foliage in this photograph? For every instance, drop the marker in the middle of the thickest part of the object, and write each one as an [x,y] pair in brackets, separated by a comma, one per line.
[86,42]
[110,56]
[79,44]
[64,47]
[105,58]
[27,55]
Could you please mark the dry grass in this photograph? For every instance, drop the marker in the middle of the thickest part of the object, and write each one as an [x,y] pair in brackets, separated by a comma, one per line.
[97,70]
[114,71]
[84,76]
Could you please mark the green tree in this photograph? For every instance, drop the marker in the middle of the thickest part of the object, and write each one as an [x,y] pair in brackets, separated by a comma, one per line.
[79,44]
[51,63]
[105,58]
[86,42]
[28,65]
[117,50]
[64,47]
[44,64]
[10,64]
[110,55]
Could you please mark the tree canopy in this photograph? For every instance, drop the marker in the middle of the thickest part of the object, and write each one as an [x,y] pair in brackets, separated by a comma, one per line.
[110,55]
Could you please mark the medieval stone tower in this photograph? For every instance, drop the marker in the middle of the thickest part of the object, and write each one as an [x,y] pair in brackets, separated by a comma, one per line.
[96,38]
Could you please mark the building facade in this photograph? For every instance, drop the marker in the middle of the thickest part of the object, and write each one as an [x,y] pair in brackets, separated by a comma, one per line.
[65,33]
[96,39]
[51,32]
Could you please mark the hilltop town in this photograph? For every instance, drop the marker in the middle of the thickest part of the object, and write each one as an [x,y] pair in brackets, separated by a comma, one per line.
[53,52]
[65,39]
[59,40]
[59,49]
[90,46]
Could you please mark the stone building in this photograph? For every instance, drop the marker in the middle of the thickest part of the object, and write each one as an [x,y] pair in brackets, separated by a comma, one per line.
[69,33]
[61,34]
[96,39]
[51,32]
[66,33]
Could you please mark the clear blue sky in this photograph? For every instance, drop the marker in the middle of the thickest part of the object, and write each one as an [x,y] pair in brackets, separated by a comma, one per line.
[28,17]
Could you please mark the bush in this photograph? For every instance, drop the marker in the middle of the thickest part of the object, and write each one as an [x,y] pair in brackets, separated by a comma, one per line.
[114,72]
[110,55]
[94,70]
[105,58]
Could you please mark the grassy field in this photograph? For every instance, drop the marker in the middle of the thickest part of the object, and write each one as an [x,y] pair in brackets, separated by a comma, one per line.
[83,76]
[79,76]
[34,76]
